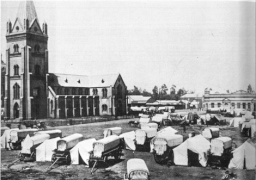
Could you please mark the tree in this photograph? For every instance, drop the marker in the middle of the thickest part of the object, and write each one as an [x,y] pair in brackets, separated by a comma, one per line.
[173,89]
[134,91]
[164,89]
[146,93]
[249,89]
[155,92]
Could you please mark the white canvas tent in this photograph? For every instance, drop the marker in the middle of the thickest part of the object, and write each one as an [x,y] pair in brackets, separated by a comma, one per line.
[236,121]
[198,144]
[129,139]
[83,149]
[244,155]
[45,150]
[253,126]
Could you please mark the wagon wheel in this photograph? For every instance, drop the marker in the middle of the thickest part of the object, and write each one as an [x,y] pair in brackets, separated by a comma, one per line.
[158,159]
[21,156]
[68,159]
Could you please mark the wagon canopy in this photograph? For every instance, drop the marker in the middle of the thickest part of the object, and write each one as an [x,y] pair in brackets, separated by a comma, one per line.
[83,150]
[211,132]
[105,144]
[69,141]
[142,134]
[44,151]
[236,121]
[29,142]
[160,142]
[149,125]
[52,133]
[113,130]
[137,169]
[6,138]
[22,133]
[144,120]
[219,144]
[129,138]
[157,118]
[244,155]
[3,129]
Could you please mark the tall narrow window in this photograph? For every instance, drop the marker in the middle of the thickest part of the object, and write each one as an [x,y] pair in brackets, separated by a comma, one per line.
[16,91]
[16,48]
[104,93]
[37,48]
[66,91]
[212,105]
[238,105]
[37,70]
[16,70]
[95,91]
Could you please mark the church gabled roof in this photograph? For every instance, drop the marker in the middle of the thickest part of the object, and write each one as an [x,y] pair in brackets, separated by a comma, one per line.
[70,80]
[27,10]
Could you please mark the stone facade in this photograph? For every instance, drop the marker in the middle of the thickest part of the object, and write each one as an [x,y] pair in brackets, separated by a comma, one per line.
[31,92]
[237,100]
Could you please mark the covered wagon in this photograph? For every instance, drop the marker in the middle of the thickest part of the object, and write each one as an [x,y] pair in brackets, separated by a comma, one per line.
[220,154]
[28,151]
[143,121]
[111,131]
[3,129]
[163,144]
[53,133]
[103,148]
[17,136]
[61,153]
[144,136]
[136,170]
[149,125]
[210,133]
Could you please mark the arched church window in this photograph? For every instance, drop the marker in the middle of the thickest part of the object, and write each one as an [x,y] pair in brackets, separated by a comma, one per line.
[37,70]
[104,107]
[16,69]
[16,91]
[104,92]
[37,48]
[119,91]
[16,48]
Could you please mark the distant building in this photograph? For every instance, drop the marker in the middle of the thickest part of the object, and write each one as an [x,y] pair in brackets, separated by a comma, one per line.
[137,100]
[32,92]
[195,100]
[237,100]
[161,103]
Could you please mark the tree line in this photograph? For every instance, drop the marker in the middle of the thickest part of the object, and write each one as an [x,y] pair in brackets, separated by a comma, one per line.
[160,93]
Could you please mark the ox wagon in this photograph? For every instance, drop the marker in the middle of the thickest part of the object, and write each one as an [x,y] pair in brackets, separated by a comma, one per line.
[62,154]
[103,148]
[136,170]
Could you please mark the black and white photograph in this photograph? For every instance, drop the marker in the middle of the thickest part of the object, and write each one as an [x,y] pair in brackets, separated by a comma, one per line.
[128,89]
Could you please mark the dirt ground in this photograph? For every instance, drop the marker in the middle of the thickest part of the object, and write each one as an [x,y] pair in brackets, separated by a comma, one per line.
[116,169]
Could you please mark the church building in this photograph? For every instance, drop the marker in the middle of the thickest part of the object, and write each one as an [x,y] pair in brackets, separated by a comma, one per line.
[31,92]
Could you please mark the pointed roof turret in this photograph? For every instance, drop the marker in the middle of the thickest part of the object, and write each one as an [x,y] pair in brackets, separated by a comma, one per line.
[27,10]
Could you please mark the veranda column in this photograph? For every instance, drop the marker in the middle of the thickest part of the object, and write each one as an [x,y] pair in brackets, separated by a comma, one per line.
[57,108]
[93,104]
[73,106]
[86,105]
[66,109]
[80,106]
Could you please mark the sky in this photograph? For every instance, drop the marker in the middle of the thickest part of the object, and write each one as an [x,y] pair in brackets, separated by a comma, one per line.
[190,44]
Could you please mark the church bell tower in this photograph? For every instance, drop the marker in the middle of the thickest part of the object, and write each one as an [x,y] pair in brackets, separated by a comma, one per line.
[26,65]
